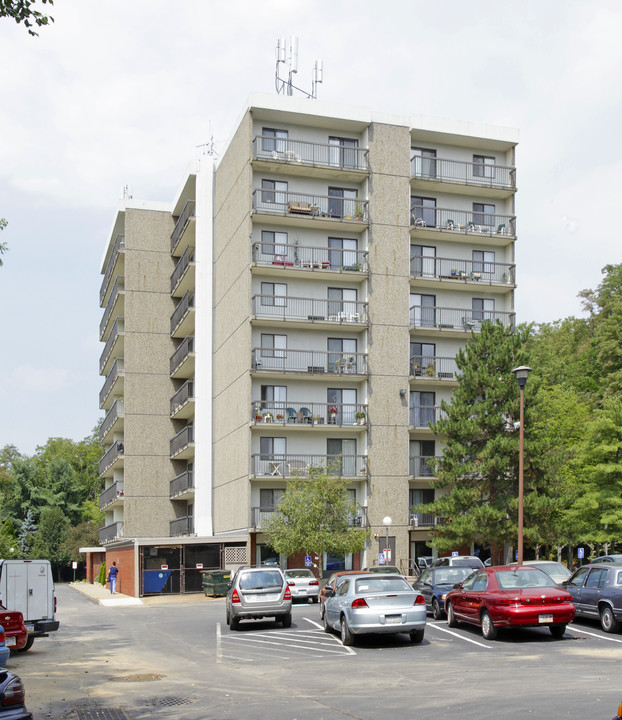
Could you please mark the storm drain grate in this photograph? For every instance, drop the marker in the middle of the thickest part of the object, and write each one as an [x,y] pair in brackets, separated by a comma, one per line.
[100,714]
[171,701]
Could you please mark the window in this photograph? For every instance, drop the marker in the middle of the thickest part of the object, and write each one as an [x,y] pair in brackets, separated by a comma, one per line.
[274,243]
[423,162]
[342,303]
[342,456]
[483,309]
[483,166]
[342,252]
[422,310]
[342,152]
[423,211]
[273,141]
[273,397]
[423,260]
[272,447]
[483,262]
[422,358]
[594,578]
[341,202]
[345,402]
[333,562]
[341,354]
[269,498]
[422,408]
[420,451]
[273,191]
[274,294]
[578,579]
[273,346]
[420,497]
[483,214]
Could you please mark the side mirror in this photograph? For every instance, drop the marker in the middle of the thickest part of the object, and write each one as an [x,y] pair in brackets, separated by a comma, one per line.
[457,586]
[328,592]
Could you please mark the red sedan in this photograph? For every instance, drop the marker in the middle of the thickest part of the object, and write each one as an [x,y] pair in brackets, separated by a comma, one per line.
[14,629]
[508,596]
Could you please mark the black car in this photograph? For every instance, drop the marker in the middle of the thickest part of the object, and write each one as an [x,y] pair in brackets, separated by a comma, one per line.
[435,583]
[597,593]
[12,697]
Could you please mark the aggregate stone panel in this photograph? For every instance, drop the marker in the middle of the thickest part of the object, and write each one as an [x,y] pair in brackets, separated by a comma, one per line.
[148,394]
[388,449]
[148,271]
[232,407]
[147,434]
[232,313]
[232,505]
[389,149]
[235,161]
[147,516]
[232,457]
[232,358]
[147,353]
[388,352]
[148,230]
[148,312]
[386,407]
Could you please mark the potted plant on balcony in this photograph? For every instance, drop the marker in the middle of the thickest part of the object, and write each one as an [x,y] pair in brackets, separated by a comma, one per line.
[360,416]
[258,417]
[267,417]
[279,416]
[317,419]
[359,211]
[332,414]
[430,370]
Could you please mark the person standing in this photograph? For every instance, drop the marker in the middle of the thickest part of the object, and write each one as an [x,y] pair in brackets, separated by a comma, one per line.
[112,576]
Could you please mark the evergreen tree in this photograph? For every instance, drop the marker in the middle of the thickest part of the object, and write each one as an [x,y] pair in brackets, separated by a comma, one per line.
[26,533]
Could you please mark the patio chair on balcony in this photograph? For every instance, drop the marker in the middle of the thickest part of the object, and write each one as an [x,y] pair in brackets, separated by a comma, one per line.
[420,222]
[305,415]
[501,229]
[291,414]
[451,225]
[472,226]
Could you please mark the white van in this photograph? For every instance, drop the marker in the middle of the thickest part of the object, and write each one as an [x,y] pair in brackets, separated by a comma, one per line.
[27,586]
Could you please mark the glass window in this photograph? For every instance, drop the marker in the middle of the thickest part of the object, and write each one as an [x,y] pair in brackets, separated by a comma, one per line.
[579,577]
[594,578]
[483,166]
[483,261]
[483,214]
[273,141]
[269,498]
[422,411]
[273,346]
[483,309]
[273,192]
[273,243]
[274,294]
[423,162]
[341,202]
[342,253]
[342,355]
[343,152]
[422,310]
[423,260]
[423,211]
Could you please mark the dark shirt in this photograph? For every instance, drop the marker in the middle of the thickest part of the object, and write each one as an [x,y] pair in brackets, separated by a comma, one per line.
[113,571]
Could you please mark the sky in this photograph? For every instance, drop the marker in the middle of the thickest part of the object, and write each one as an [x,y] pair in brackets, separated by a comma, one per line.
[124,93]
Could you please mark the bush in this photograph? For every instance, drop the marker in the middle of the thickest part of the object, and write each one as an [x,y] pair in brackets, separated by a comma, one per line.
[101,578]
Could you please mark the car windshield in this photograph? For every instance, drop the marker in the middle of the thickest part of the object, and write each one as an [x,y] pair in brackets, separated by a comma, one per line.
[299,574]
[451,575]
[384,569]
[466,562]
[554,570]
[381,584]
[261,580]
[516,579]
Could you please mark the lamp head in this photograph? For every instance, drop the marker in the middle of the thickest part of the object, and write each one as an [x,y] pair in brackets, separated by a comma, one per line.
[521,373]
[387,521]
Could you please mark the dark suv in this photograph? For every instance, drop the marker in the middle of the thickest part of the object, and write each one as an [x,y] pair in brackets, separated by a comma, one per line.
[258,593]
[597,593]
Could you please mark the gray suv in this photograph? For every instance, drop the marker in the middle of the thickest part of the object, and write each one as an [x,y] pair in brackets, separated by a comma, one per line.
[256,593]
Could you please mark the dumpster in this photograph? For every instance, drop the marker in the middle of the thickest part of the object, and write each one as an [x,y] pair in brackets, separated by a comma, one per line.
[155,580]
[216,582]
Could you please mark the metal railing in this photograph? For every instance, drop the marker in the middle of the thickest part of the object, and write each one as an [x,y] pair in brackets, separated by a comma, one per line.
[110,533]
[459,171]
[181,484]
[439,368]
[183,438]
[441,318]
[302,256]
[116,330]
[276,202]
[110,494]
[182,308]
[340,157]
[114,451]
[420,465]
[263,465]
[416,519]
[117,246]
[308,361]
[181,223]
[181,267]
[182,526]
[115,371]
[422,416]
[286,307]
[181,397]
[485,273]
[116,411]
[259,515]
[308,413]
[181,353]
[479,223]
[119,286]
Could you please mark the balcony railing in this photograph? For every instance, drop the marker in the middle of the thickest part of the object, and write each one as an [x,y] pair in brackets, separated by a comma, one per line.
[182,483]
[181,223]
[416,519]
[259,515]
[114,451]
[479,223]
[182,526]
[181,267]
[285,307]
[419,466]
[110,533]
[110,494]
[422,416]
[116,411]
[303,465]
[182,308]
[441,318]
[485,273]
[433,367]
[301,256]
[117,246]
[181,397]
[308,361]
[340,157]
[275,202]
[115,372]
[181,353]
[119,286]
[468,173]
[308,413]
[183,438]
[115,331]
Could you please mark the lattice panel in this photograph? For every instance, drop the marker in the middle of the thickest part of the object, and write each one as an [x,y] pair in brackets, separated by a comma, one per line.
[235,556]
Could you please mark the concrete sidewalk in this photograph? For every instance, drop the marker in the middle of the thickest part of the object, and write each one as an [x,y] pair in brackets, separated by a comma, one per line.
[99,594]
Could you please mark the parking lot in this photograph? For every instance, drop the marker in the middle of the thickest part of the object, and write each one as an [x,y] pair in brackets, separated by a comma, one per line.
[182,661]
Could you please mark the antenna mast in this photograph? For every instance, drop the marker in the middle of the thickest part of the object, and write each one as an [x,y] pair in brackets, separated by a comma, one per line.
[287,53]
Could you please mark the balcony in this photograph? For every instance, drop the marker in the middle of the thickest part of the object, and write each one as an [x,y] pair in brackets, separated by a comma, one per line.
[433,368]
[482,227]
[183,277]
[113,348]
[301,157]
[308,414]
[182,402]
[430,270]
[303,311]
[110,457]
[300,257]
[285,466]
[419,466]
[110,533]
[316,363]
[182,486]
[421,520]
[182,445]
[111,496]
[456,320]
[182,319]
[421,417]
[492,180]
[113,422]
[116,373]
[259,515]
[115,254]
[182,360]
[300,209]
[182,526]
[185,222]
[114,304]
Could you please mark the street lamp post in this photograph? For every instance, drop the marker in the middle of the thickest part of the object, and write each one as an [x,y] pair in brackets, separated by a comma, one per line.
[521,378]
[386,521]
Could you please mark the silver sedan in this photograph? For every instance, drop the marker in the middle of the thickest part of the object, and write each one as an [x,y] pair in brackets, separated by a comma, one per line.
[376,603]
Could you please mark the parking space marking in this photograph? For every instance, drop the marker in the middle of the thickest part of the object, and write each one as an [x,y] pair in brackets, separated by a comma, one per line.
[345,647]
[586,632]
[218,644]
[461,637]
[258,637]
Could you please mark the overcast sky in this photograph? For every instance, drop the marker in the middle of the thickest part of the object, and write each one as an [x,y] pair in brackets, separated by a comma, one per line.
[122,93]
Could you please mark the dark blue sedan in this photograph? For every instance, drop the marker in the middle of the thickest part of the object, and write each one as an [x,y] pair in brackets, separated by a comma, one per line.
[434,584]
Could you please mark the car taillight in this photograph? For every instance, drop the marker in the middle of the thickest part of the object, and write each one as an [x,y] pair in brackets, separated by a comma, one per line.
[54,603]
[359,602]
[290,584]
[419,600]
[235,598]
[288,594]
[314,582]
[14,693]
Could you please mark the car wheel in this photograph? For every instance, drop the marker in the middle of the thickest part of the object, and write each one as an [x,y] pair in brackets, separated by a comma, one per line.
[346,635]
[489,631]
[322,611]
[416,636]
[287,620]
[235,623]
[28,645]
[327,627]
[557,631]
[451,618]
[437,613]
[315,599]
[607,620]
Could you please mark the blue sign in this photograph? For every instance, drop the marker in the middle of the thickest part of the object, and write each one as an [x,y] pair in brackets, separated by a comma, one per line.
[381,559]
[454,553]
[308,561]
[516,555]
[580,553]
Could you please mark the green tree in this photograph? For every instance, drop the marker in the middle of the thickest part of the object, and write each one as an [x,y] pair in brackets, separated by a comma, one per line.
[26,533]
[23,11]
[314,516]
[49,538]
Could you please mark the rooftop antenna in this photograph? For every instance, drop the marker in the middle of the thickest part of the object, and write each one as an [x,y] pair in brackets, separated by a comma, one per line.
[209,147]
[287,53]
[127,195]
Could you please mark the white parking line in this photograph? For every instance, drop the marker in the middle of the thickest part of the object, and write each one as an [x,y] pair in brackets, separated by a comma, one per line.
[586,632]
[256,638]
[218,645]
[345,647]
[455,634]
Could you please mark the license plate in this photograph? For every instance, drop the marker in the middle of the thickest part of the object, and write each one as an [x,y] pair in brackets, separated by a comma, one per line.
[261,597]
[30,627]
[10,641]
[392,619]
[545,618]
